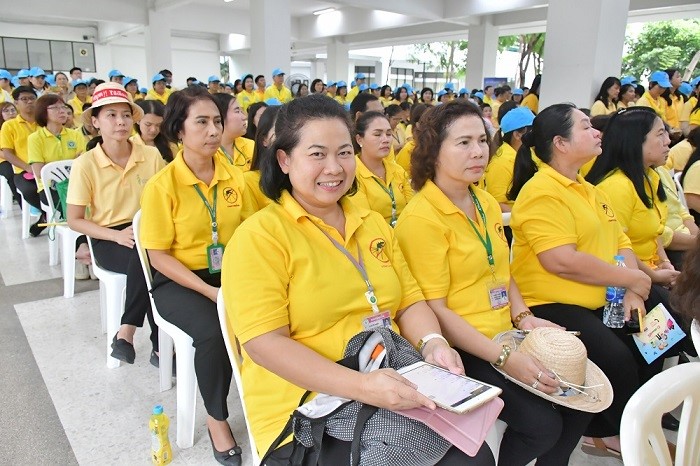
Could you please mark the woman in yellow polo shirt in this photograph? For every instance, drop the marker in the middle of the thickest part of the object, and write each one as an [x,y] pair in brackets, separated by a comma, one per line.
[532,99]
[247,96]
[386,97]
[449,223]
[235,149]
[189,212]
[263,143]
[606,101]
[148,129]
[690,180]
[108,180]
[383,186]
[310,298]
[341,93]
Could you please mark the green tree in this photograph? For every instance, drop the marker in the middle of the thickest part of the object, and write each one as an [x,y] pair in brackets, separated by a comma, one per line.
[531,49]
[661,45]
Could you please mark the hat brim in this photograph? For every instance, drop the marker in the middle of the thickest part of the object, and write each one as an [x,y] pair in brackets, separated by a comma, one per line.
[574,400]
[136,111]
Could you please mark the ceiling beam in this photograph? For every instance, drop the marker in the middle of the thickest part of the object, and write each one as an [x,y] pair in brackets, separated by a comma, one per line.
[426,9]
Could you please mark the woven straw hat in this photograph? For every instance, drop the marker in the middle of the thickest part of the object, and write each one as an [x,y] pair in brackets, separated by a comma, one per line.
[584,386]
[111,93]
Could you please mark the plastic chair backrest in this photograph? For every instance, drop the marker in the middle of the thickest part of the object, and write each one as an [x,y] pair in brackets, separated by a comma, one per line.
[145,264]
[641,434]
[679,188]
[54,172]
[235,358]
[695,334]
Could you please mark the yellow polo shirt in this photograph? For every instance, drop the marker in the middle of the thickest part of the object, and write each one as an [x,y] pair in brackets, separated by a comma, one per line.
[499,173]
[252,181]
[14,135]
[551,211]
[658,105]
[242,156]
[163,98]
[175,219]
[673,111]
[280,270]
[403,158]
[340,99]
[386,101]
[691,182]
[372,190]
[641,224]
[687,108]
[44,147]
[352,93]
[448,259]
[111,192]
[77,106]
[694,119]
[532,102]
[284,95]
[5,96]
[677,212]
[598,108]
[495,106]
[679,155]
[246,99]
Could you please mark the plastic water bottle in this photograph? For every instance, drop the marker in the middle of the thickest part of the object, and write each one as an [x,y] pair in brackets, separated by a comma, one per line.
[614,312]
[161,452]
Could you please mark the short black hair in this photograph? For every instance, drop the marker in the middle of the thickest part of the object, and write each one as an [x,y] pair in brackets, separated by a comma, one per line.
[178,107]
[75,68]
[22,90]
[359,103]
[257,78]
[166,73]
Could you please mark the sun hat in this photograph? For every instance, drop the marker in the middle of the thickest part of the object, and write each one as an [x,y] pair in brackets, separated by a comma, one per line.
[463,90]
[479,95]
[143,90]
[79,82]
[157,77]
[15,81]
[518,91]
[212,79]
[115,74]
[450,87]
[584,386]
[374,86]
[50,80]
[36,72]
[660,78]
[408,88]
[330,84]
[111,93]
[517,118]
[277,72]
[441,92]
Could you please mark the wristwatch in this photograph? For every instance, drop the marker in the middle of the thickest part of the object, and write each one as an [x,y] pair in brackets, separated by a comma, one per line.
[431,336]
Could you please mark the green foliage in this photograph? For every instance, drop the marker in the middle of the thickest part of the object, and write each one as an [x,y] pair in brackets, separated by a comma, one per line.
[661,45]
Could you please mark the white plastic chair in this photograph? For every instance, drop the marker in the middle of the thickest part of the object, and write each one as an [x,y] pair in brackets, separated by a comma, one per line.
[695,334]
[50,173]
[5,198]
[26,216]
[112,297]
[641,436]
[494,438]
[679,188]
[235,358]
[167,335]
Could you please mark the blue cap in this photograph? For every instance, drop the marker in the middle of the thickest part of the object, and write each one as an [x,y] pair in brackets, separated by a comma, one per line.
[353,83]
[213,79]
[157,77]
[23,73]
[158,409]
[229,84]
[628,80]
[15,81]
[463,90]
[341,84]
[479,95]
[517,118]
[79,82]
[660,78]
[330,84]
[50,80]
[408,88]
[363,87]
[450,87]
[360,76]
[36,72]
[277,72]
[374,86]
[441,92]
[127,80]
[273,102]
[143,90]
[4,74]
[695,82]
[115,74]
[518,91]
[686,89]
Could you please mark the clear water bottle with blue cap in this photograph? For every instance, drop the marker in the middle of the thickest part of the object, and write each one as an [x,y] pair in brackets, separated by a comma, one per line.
[614,312]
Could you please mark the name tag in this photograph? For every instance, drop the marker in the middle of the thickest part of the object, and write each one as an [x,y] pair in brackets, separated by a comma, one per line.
[498,295]
[377,320]
[215,257]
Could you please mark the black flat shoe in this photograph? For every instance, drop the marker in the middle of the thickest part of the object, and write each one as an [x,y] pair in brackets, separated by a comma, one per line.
[669,422]
[123,350]
[155,361]
[35,230]
[230,457]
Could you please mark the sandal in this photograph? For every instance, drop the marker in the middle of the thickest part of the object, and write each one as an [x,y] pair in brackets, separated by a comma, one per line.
[600,449]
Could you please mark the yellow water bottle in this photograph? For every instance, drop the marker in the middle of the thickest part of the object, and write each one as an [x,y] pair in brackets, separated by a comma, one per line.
[161,452]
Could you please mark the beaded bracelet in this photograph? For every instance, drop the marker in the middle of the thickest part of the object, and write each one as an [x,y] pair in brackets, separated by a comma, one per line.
[520,317]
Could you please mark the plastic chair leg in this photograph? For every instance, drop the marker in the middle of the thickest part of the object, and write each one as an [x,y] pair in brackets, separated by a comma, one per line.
[186,396]
[165,350]
[26,219]
[5,198]
[53,250]
[68,240]
[103,307]
[115,305]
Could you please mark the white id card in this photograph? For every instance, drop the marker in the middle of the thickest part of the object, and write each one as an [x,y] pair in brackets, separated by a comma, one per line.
[215,257]
[377,320]
[498,294]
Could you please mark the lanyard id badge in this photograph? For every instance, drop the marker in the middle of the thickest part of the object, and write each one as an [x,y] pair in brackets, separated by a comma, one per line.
[215,257]
[498,294]
[215,251]
[390,192]
[377,320]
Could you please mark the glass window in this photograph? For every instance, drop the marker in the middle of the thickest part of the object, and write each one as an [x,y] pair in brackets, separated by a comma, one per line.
[40,54]
[84,56]
[15,53]
[61,55]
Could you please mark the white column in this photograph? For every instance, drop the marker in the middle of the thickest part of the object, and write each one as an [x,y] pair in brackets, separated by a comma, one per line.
[337,66]
[318,70]
[270,37]
[583,46]
[158,51]
[378,73]
[482,53]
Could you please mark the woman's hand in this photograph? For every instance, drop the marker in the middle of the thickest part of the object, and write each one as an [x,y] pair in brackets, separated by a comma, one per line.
[530,371]
[632,301]
[532,322]
[386,388]
[640,283]
[666,265]
[211,293]
[439,353]
[665,277]
[124,237]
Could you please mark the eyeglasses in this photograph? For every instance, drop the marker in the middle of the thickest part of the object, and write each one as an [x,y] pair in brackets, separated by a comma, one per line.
[58,108]
[26,100]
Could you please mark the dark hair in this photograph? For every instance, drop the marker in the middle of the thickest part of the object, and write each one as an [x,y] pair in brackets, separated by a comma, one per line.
[694,140]
[155,107]
[267,122]
[609,82]
[405,106]
[298,92]
[291,118]
[417,112]
[2,107]
[257,78]
[223,102]
[501,90]
[553,121]
[75,68]
[392,110]
[363,123]
[313,85]
[622,149]
[667,93]
[41,108]
[178,107]
[482,106]
[166,73]
[359,103]
[397,93]
[535,87]
[424,90]
[639,90]
[623,89]
[430,135]
[22,90]
[251,129]
[685,296]
[383,90]
[96,82]
[599,122]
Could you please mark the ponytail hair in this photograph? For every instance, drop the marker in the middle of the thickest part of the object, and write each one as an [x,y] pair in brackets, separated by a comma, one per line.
[92,143]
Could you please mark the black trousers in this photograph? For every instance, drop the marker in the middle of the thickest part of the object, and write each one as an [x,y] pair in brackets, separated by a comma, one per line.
[8,173]
[117,258]
[537,428]
[197,316]
[336,452]
[28,189]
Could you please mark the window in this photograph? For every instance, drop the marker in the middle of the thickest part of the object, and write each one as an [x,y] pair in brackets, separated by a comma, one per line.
[49,55]
[368,71]
[400,76]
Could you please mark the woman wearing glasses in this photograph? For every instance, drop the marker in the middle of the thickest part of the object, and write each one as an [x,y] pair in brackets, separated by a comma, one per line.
[235,149]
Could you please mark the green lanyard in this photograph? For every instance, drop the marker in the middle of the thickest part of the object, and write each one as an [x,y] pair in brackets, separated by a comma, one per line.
[228,157]
[390,192]
[212,213]
[486,242]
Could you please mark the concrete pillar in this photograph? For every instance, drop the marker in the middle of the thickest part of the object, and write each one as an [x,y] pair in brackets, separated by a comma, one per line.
[158,51]
[337,66]
[318,70]
[482,52]
[270,37]
[378,73]
[583,46]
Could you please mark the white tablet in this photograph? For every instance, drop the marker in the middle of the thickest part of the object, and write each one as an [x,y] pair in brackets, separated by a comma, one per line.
[456,393]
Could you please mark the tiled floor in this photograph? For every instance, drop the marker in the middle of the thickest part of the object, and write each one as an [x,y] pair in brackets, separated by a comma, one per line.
[103,413]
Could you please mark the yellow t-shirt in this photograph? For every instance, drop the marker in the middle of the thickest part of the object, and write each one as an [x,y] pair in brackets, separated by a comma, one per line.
[252,181]
[495,106]
[532,102]
[77,106]
[246,99]
[691,182]
[243,149]
[340,99]
[679,155]
[280,270]
[175,219]
[111,192]
[284,95]
[403,158]
[163,98]
[673,111]
[658,105]
[499,173]
[5,96]
[687,108]
[386,101]
[641,224]
[374,193]
[449,260]
[14,135]
[694,119]
[677,213]
[44,147]
[598,108]
[551,211]
[352,93]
